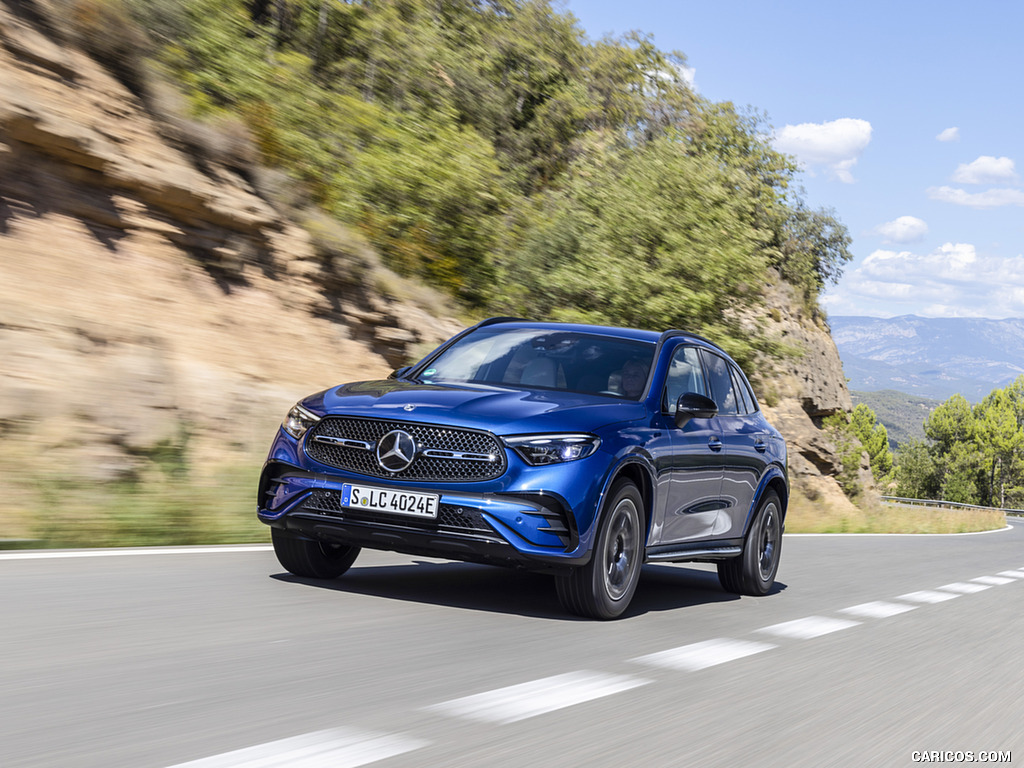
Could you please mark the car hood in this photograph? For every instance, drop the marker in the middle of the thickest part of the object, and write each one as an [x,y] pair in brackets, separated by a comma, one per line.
[503,411]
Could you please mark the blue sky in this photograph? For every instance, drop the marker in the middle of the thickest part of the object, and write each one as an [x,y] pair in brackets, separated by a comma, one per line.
[907,116]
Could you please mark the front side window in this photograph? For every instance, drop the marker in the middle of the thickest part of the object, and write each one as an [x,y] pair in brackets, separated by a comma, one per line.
[685,374]
[542,359]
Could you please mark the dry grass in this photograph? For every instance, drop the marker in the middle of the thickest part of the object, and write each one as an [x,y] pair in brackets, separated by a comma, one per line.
[220,508]
[62,512]
[805,516]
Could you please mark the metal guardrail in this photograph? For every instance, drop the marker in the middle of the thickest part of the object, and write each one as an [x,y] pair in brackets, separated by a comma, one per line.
[948,505]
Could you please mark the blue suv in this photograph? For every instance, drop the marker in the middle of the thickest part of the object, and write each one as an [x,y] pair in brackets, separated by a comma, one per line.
[576,450]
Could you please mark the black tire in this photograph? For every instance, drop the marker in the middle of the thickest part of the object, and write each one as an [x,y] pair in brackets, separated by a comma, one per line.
[604,587]
[310,558]
[753,572]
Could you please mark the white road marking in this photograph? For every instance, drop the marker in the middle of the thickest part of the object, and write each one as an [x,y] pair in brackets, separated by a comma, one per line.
[1013,574]
[928,596]
[878,609]
[690,658]
[518,702]
[964,588]
[1008,527]
[812,626]
[993,580]
[334,748]
[43,554]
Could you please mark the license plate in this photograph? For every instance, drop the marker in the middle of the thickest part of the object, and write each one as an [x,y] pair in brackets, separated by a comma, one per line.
[389,500]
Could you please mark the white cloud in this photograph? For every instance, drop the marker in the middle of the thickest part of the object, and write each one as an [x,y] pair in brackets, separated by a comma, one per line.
[953,280]
[993,198]
[950,134]
[905,229]
[835,145]
[986,170]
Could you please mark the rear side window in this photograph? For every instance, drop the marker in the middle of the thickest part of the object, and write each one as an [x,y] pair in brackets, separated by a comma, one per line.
[745,400]
[722,390]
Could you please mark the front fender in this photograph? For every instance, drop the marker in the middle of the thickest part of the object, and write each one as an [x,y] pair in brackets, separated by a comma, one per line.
[635,466]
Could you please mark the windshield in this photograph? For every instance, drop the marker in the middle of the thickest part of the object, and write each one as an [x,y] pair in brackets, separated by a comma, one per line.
[538,359]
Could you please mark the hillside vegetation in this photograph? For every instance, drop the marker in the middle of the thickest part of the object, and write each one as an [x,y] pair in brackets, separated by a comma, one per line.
[489,148]
[974,453]
[903,415]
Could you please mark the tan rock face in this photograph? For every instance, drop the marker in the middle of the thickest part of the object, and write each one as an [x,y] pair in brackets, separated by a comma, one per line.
[147,305]
[144,303]
[805,388]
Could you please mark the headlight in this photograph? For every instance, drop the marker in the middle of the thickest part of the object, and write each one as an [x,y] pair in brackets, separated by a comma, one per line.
[553,449]
[298,421]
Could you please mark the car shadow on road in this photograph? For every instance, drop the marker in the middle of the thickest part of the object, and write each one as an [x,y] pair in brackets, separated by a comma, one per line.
[492,589]
[669,587]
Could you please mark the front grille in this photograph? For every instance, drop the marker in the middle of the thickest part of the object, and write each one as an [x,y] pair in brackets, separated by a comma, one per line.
[449,516]
[473,455]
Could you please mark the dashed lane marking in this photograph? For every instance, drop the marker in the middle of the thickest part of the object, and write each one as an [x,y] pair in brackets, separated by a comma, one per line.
[878,609]
[964,588]
[928,596]
[691,658]
[812,626]
[334,748]
[518,702]
[1013,574]
[994,581]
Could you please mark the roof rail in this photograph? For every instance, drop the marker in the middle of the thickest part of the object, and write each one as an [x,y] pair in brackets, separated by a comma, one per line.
[496,320]
[671,334]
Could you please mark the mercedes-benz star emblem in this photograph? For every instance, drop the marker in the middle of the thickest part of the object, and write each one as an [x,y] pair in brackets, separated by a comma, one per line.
[396,450]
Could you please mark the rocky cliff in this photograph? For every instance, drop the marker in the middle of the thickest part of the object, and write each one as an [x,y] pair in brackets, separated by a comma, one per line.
[152,302]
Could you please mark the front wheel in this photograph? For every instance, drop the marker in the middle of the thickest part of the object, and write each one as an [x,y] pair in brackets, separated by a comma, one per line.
[604,587]
[311,558]
[753,572]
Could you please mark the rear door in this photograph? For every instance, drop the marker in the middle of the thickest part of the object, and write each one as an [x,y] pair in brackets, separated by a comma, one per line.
[744,441]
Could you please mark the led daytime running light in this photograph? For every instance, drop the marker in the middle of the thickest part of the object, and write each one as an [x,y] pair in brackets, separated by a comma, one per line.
[539,450]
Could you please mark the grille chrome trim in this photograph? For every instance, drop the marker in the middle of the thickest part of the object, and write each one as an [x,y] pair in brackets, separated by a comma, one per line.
[444,453]
[465,456]
[342,441]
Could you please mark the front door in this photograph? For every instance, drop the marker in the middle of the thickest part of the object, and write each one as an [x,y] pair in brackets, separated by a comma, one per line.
[690,475]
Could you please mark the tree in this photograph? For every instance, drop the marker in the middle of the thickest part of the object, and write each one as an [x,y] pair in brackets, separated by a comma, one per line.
[951,423]
[815,247]
[1000,433]
[916,471]
[875,439]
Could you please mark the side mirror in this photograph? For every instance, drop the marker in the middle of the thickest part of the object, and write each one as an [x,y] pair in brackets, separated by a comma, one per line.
[691,405]
[399,372]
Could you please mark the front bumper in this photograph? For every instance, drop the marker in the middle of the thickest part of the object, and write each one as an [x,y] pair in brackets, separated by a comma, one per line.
[531,530]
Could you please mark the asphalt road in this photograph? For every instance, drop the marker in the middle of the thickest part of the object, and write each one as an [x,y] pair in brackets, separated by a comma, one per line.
[871,650]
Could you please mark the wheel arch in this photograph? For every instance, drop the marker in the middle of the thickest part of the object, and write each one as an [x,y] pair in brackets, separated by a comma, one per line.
[773,480]
[640,475]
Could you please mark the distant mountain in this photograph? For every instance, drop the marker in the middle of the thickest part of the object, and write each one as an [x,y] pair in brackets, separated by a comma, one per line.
[930,357]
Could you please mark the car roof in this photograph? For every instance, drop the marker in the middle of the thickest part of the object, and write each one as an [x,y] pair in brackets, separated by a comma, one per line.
[635,334]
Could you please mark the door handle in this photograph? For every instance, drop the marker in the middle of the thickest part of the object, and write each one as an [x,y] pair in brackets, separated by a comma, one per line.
[760,445]
[715,444]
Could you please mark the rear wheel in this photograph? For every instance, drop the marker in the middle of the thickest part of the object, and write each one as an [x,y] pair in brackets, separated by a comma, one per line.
[753,572]
[311,558]
[604,587]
